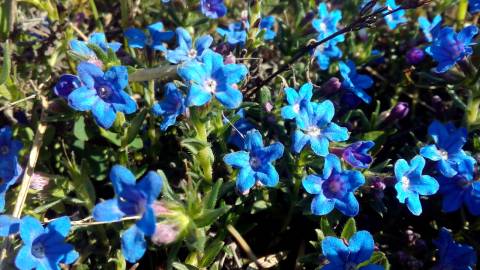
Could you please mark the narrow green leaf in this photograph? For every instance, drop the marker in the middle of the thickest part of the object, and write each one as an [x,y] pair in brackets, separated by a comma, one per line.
[349,229]
[212,196]
[134,127]
[325,227]
[209,216]
[211,253]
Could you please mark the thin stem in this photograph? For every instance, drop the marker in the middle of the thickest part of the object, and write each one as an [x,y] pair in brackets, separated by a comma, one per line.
[243,244]
[93,6]
[161,73]
[17,102]
[462,12]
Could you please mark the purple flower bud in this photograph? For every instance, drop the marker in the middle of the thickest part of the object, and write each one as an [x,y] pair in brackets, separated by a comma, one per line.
[39,181]
[268,107]
[357,155]
[165,233]
[415,56]
[66,84]
[159,208]
[331,86]
[400,111]
[308,18]
[230,59]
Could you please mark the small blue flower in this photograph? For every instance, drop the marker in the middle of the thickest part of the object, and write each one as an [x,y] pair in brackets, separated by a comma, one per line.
[447,151]
[185,51]
[396,18]
[66,84]
[9,225]
[235,34]
[325,53]
[240,128]
[297,102]
[268,23]
[10,170]
[334,189]
[213,77]
[448,47]
[452,255]
[44,248]
[460,190]
[344,256]
[99,39]
[430,29]
[213,9]
[131,199]
[102,93]
[172,105]
[354,82]
[357,155]
[255,162]
[157,36]
[473,6]
[327,23]
[317,129]
[411,183]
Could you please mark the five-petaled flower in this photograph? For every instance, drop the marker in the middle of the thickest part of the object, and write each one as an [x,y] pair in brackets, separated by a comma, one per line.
[452,255]
[448,47]
[349,254]
[172,105]
[255,162]
[460,190]
[297,101]
[326,24]
[334,189]
[356,154]
[239,129]
[354,82]
[10,170]
[157,37]
[268,23]
[185,51]
[102,93]
[395,18]
[44,248]
[316,128]
[411,183]
[235,33]
[430,29]
[81,47]
[212,77]
[131,199]
[213,9]
[324,53]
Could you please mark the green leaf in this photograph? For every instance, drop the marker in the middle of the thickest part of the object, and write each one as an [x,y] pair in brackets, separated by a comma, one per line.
[373,135]
[111,137]
[211,253]
[325,227]
[378,258]
[79,130]
[6,63]
[193,145]
[211,197]
[349,229]
[181,266]
[135,125]
[209,216]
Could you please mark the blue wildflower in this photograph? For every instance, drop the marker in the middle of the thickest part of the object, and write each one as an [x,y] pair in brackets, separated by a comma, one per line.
[10,170]
[395,18]
[44,248]
[460,190]
[473,6]
[357,155]
[354,82]
[326,24]
[448,47]
[9,225]
[157,37]
[411,183]
[452,255]
[430,29]
[297,101]
[358,250]
[213,9]
[447,151]
[99,39]
[255,162]
[334,189]
[325,53]
[240,128]
[234,34]
[172,105]
[131,199]
[102,93]
[66,84]
[317,129]
[185,50]
[268,23]
[213,77]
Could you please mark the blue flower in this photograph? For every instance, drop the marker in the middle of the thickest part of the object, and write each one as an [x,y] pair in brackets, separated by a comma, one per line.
[268,23]
[460,190]
[213,77]
[99,39]
[324,53]
[344,256]
[9,225]
[255,162]
[411,183]
[213,9]
[235,34]
[131,199]
[395,18]
[10,170]
[334,189]
[297,101]
[240,128]
[102,93]
[452,255]
[473,6]
[357,155]
[356,83]
[185,51]
[317,129]
[448,47]
[44,248]
[430,29]
[66,84]
[157,36]
[447,151]
[172,105]
[326,24]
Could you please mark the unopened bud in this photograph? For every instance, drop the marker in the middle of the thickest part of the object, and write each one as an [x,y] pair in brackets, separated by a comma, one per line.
[165,233]
[415,56]
[331,86]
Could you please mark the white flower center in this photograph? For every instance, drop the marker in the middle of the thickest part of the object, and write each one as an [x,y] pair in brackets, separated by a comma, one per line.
[314,131]
[192,53]
[296,107]
[405,183]
[323,26]
[210,85]
[443,154]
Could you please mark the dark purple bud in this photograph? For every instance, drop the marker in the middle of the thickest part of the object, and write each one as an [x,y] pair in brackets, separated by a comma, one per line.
[308,18]
[66,84]
[331,86]
[357,155]
[399,111]
[415,56]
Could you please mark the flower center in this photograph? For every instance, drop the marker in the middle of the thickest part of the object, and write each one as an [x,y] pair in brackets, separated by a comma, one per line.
[334,187]
[4,149]
[314,131]
[443,154]
[192,53]
[104,91]
[296,107]
[38,250]
[210,85]
[323,26]
[255,162]
[405,183]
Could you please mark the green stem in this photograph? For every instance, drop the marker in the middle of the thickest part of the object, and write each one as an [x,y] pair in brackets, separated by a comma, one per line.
[98,23]
[299,173]
[462,12]
[471,113]
[204,156]
[124,7]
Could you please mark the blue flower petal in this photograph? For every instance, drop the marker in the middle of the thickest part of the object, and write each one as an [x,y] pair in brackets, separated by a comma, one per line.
[24,259]
[136,38]
[88,72]
[348,205]
[245,180]
[9,225]
[312,184]
[83,98]
[30,228]
[321,205]
[335,250]
[133,244]
[414,205]
[319,145]
[361,247]
[122,178]
[108,210]
[267,175]
[151,185]
[147,223]
[238,159]
[103,113]
[431,152]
